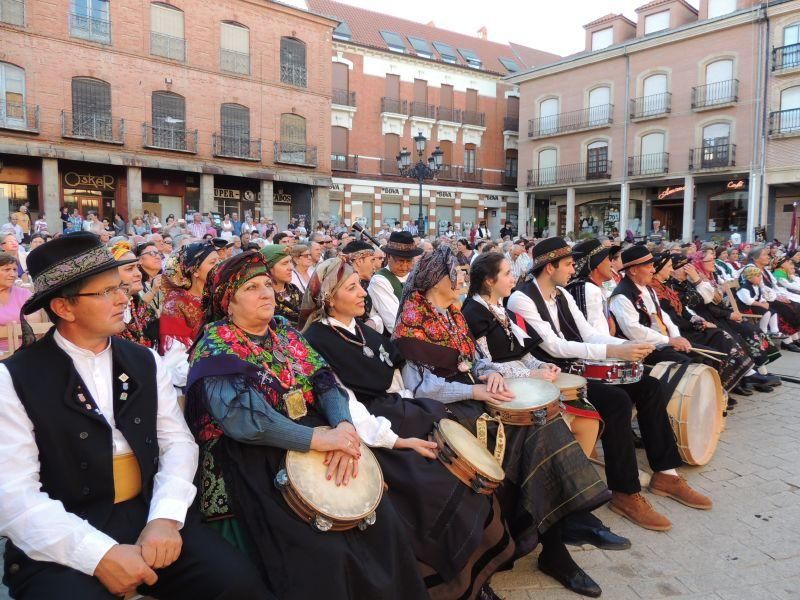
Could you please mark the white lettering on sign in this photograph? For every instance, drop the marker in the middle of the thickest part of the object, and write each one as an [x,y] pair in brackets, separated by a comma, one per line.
[736,185]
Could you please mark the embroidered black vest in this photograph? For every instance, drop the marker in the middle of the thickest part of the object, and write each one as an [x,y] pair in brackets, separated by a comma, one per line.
[627,288]
[566,322]
[503,348]
[73,438]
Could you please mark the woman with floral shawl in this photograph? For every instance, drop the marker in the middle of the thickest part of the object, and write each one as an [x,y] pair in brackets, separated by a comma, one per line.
[458,536]
[141,320]
[547,474]
[255,390]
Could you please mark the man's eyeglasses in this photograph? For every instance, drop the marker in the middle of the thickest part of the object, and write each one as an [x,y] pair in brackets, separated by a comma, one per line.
[154,253]
[107,293]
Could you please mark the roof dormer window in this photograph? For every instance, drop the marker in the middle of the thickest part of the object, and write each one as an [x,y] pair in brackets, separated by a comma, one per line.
[471,58]
[343,32]
[446,52]
[656,22]
[603,38]
[393,41]
[421,47]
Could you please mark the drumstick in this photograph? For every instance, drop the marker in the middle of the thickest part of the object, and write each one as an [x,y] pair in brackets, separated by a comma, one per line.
[708,351]
[703,353]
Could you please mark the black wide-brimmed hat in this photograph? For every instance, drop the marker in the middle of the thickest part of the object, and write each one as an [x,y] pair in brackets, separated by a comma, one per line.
[589,254]
[636,256]
[550,250]
[679,260]
[401,244]
[65,260]
[662,258]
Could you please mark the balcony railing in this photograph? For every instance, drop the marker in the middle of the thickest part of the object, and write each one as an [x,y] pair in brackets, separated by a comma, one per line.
[295,154]
[786,57]
[393,105]
[422,110]
[473,176]
[344,162]
[20,117]
[90,28]
[234,62]
[344,97]
[648,164]
[473,117]
[236,146]
[449,173]
[296,75]
[389,167]
[717,155]
[576,120]
[446,113]
[169,138]
[89,126]
[574,173]
[167,46]
[12,12]
[509,178]
[511,123]
[651,106]
[784,121]
[713,94]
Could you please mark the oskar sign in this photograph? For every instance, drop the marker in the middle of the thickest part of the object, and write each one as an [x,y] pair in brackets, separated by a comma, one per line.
[93,182]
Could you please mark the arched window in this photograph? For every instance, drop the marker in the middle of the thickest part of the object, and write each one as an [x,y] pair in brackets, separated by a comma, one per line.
[293,139]
[169,121]
[652,159]
[597,165]
[599,106]
[167,37]
[547,162]
[293,62]
[234,54]
[720,86]
[789,115]
[235,131]
[654,95]
[13,109]
[548,116]
[716,150]
[91,109]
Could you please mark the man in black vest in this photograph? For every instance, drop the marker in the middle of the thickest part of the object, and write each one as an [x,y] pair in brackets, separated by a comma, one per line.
[97,459]
[386,287]
[551,311]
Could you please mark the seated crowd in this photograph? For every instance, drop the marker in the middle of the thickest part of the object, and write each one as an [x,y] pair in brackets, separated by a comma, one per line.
[186,359]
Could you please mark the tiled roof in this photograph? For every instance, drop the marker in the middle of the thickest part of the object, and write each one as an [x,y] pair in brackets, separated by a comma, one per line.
[366,26]
[607,19]
[656,3]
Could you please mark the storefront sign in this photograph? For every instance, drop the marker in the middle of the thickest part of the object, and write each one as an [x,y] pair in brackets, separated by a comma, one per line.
[226,194]
[390,191]
[671,191]
[281,198]
[492,197]
[95,182]
[335,187]
[737,185]
[249,196]
[444,194]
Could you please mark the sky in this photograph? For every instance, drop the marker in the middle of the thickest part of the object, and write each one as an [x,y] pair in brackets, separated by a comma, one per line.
[550,25]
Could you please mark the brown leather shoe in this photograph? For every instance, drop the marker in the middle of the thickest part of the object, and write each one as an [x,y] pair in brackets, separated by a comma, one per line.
[637,509]
[675,487]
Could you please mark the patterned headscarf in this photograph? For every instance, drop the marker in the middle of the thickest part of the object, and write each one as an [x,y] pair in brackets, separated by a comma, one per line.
[325,281]
[749,273]
[429,270]
[180,265]
[274,253]
[227,277]
[121,248]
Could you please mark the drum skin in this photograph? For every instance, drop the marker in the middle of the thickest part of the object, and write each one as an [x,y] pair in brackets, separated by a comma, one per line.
[571,386]
[346,505]
[695,411]
[466,458]
[531,396]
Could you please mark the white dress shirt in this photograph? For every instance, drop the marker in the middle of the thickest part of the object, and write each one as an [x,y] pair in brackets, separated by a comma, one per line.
[40,525]
[384,301]
[553,341]
[597,311]
[628,319]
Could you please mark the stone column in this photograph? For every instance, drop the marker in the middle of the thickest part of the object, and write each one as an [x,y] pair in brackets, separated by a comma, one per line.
[347,213]
[50,196]
[134,178]
[753,190]
[377,210]
[624,208]
[432,222]
[266,199]
[457,214]
[207,193]
[321,209]
[688,208]
[523,215]
[570,224]
[405,210]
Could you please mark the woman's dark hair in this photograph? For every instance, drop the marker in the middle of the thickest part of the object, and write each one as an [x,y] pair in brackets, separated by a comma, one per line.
[7,259]
[540,269]
[465,242]
[486,266]
[37,235]
[141,248]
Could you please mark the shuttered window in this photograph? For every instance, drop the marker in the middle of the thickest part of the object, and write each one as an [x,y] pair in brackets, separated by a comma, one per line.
[393,86]
[293,62]
[167,37]
[91,108]
[235,48]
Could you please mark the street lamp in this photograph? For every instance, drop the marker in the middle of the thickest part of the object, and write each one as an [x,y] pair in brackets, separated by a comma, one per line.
[420,171]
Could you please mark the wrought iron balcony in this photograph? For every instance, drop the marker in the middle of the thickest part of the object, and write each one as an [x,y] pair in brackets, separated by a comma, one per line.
[162,137]
[12,12]
[446,113]
[784,121]
[574,173]
[473,117]
[19,117]
[786,57]
[344,162]
[389,166]
[510,178]
[473,176]
[448,173]
[422,110]
[654,105]
[344,97]
[90,28]
[714,94]
[717,155]
[393,105]
[296,75]
[295,154]
[236,146]
[167,46]
[234,62]
[511,123]
[94,127]
[576,120]
[648,164]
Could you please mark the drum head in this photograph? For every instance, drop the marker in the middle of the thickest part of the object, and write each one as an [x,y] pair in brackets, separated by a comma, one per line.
[530,393]
[467,446]
[356,500]
[568,381]
[704,415]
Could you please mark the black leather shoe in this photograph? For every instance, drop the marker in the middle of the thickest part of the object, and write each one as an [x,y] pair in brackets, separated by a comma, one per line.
[790,347]
[757,385]
[600,537]
[576,581]
[732,402]
[771,380]
[742,390]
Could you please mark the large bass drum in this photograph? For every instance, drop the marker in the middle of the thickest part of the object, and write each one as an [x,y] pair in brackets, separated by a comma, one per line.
[695,409]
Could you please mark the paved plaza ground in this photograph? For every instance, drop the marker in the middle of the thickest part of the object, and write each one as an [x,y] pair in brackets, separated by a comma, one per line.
[747,547]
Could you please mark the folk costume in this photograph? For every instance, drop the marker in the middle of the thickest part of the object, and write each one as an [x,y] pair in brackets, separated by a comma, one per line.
[371,317]
[250,399]
[386,288]
[749,293]
[288,300]
[458,536]
[141,320]
[95,451]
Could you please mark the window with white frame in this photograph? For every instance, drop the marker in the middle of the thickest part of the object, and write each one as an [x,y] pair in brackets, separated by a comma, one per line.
[720,86]
[789,115]
[717,8]
[716,150]
[597,165]
[603,38]
[548,116]
[12,12]
[599,106]
[167,37]
[790,52]
[12,96]
[234,48]
[657,22]
[90,20]
[547,163]
[652,158]
[654,95]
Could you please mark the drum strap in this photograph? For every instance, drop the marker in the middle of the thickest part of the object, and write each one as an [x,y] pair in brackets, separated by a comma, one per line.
[500,444]
[671,378]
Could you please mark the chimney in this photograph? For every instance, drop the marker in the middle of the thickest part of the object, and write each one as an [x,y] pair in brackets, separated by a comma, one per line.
[483,33]
[431,24]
